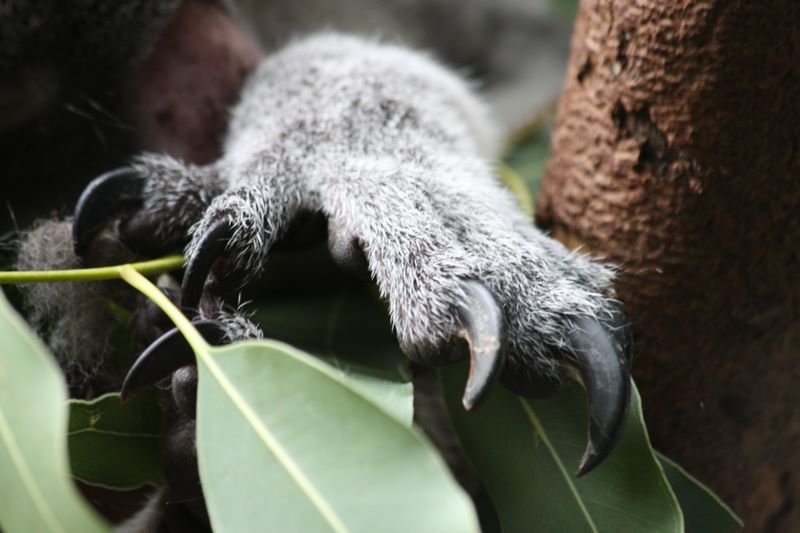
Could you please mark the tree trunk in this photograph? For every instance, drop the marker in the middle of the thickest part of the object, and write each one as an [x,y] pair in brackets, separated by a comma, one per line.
[675,155]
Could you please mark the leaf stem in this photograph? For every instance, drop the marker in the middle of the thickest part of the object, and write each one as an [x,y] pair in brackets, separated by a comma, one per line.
[514,182]
[202,351]
[153,267]
[143,285]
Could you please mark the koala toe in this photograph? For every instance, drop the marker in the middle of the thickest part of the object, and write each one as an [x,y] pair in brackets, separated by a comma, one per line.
[155,201]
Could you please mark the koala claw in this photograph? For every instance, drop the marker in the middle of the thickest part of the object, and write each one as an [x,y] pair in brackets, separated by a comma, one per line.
[604,374]
[104,197]
[480,318]
[482,328]
[210,250]
[166,355]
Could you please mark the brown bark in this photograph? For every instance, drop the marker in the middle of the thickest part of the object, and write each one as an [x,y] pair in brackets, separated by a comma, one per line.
[675,155]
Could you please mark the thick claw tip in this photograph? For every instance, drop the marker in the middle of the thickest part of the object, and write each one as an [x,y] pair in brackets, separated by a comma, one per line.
[471,398]
[589,461]
[603,364]
[482,325]
[486,364]
[124,395]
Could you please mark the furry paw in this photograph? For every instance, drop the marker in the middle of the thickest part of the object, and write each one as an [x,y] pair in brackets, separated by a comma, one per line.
[394,153]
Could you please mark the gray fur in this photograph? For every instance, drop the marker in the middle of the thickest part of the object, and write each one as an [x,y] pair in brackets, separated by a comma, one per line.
[398,152]
[72,318]
[236,325]
[176,195]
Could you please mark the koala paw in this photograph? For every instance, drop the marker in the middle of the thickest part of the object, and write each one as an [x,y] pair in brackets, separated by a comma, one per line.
[388,149]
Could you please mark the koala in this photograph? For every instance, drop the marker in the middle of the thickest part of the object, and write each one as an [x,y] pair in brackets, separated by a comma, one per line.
[389,156]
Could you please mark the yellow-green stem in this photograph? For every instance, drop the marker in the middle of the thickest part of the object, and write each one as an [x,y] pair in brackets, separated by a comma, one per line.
[143,285]
[514,182]
[150,268]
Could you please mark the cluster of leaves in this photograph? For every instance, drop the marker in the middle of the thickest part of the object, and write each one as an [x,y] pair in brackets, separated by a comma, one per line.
[313,431]
[309,444]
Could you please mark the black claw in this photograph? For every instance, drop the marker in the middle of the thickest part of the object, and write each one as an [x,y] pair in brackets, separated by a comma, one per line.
[104,197]
[167,354]
[603,361]
[482,328]
[211,248]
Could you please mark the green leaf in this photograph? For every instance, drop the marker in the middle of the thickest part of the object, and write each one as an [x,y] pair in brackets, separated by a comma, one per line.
[703,511]
[283,438]
[38,494]
[114,445]
[394,397]
[526,452]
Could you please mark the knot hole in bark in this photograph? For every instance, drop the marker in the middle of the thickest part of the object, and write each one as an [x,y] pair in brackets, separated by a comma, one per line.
[655,154]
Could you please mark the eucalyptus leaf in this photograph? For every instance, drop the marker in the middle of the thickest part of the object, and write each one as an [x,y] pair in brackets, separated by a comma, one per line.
[394,397]
[284,439]
[526,452]
[703,511]
[116,445]
[38,494]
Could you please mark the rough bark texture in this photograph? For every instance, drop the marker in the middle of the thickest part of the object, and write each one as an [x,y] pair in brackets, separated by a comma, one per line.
[675,154]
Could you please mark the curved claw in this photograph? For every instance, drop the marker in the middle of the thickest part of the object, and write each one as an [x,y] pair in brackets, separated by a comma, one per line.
[482,328]
[101,199]
[167,354]
[602,358]
[211,247]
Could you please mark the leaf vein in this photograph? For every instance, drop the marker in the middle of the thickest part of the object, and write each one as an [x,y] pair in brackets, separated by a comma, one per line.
[537,424]
[283,456]
[26,476]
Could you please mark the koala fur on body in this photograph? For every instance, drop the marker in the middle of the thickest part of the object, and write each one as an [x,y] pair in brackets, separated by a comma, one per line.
[72,318]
